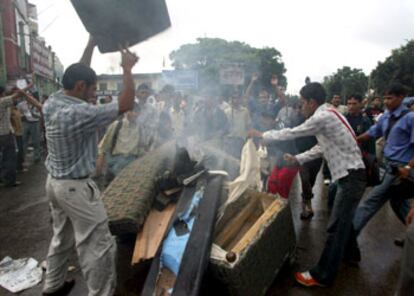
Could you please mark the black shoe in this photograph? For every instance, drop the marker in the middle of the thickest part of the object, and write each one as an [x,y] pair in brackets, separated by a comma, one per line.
[15,184]
[64,290]
[399,242]
[306,215]
[353,258]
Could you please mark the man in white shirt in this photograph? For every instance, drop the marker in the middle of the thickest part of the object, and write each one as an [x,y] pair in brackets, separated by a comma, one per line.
[337,144]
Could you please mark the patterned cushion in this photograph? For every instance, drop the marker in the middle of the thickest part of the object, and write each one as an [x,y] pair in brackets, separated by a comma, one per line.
[129,198]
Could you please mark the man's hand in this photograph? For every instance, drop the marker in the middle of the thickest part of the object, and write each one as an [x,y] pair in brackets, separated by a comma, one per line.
[255,77]
[129,59]
[291,160]
[274,81]
[253,133]
[403,173]
[410,216]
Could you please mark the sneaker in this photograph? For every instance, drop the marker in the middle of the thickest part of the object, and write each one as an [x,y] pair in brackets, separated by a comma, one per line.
[305,279]
[15,184]
[64,290]
[307,212]
[399,242]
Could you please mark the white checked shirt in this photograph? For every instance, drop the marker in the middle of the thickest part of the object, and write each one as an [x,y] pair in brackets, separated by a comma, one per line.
[335,142]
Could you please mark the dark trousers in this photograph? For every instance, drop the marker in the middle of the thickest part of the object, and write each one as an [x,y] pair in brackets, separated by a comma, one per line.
[20,153]
[8,159]
[308,173]
[341,239]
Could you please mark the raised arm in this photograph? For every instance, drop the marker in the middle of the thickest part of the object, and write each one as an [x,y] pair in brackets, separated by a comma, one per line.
[279,93]
[126,98]
[248,93]
[88,52]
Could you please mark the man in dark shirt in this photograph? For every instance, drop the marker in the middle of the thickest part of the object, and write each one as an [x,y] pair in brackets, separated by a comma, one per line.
[359,123]
[375,109]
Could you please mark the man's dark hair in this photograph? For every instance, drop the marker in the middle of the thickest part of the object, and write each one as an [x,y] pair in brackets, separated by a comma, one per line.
[396,88]
[144,87]
[356,97]
[78,72]
[2,90]
[315,91]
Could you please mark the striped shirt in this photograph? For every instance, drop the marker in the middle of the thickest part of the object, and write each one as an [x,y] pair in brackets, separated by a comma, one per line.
[335,142]
[5,125]
[71,132]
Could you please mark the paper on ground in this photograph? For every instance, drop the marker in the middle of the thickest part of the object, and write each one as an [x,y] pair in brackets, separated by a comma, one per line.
[20,274]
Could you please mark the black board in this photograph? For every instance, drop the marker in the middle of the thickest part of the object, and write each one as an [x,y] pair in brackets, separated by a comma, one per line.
[121,22]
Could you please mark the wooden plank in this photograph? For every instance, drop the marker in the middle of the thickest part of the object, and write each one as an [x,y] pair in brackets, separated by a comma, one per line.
[249,236]
[150,237]
[234,226]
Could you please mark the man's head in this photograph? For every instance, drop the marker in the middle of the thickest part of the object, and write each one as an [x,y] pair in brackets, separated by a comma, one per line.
[354,104]
[312,95]
[132,116]
[336,100]
[210,97]
[377,102]
[236,98]
[263,97]
[394,95]
[143,92]
[79,80]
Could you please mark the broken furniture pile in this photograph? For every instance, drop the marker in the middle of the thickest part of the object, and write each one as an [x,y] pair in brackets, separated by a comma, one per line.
[186,220]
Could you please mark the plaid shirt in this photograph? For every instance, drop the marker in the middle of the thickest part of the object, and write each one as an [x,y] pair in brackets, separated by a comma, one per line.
[335,142]
[5,124]
[71,133]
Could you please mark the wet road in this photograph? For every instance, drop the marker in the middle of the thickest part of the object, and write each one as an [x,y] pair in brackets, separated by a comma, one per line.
[25,231]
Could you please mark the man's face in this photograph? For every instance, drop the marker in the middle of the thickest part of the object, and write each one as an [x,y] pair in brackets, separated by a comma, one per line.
[263,97]
[90,91]
[354,106]
[236,100]
[307,108]
[132,116]
[376,103]
[336,100]
[392,102]
[143,94]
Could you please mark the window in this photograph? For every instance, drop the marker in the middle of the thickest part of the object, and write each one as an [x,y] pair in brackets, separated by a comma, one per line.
[103,86]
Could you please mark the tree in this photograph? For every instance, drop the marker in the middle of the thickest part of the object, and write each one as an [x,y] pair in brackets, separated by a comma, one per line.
[345,82]
[397,67]
[208,55]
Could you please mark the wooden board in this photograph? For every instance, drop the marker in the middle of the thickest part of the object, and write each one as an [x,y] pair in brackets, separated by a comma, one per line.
[150,237]
[234,226]
[249,236]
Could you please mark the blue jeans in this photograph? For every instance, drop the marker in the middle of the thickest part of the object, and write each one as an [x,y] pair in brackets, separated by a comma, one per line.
[378,196]
[341,236]
[32,130]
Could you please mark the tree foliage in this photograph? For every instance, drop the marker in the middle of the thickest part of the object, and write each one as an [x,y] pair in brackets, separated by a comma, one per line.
[208,55]
[397,67]
[345,82]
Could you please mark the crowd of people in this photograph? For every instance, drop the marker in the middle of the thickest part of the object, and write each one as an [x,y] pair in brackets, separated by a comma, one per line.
[86,139]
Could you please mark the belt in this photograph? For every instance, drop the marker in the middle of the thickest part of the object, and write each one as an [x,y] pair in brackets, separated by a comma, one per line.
[70,178]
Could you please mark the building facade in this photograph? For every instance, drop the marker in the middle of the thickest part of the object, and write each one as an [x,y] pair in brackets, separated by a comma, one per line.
[23,51]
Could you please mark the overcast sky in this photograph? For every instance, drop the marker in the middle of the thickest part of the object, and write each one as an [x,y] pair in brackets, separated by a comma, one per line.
[315,37]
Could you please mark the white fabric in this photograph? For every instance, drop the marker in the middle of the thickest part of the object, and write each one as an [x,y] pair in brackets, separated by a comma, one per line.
[249,173]
[335,142]
[80,219]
